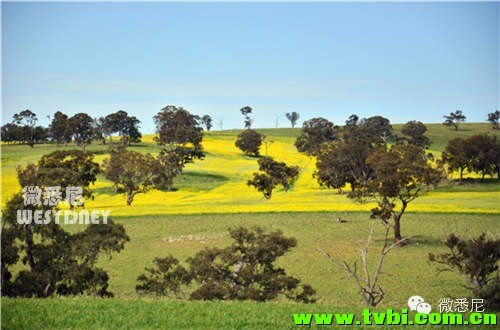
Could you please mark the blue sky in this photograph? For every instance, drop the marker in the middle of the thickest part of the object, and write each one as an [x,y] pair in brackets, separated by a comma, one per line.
[401,60]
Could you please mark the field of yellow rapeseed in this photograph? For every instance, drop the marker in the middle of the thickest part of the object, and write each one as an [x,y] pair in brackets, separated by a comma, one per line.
[228,192]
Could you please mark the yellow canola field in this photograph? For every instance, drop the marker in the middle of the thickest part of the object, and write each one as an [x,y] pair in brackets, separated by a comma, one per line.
[232,195]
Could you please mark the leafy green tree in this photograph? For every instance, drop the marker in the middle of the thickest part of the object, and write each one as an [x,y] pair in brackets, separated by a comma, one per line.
[63,168]
[484,153]
[249,141]
[293,117]
[401,174]
[132,170]
[454,119]
[55,261]
[414,133]
[273,173]
[176,126]
[82,126]
[60,129]
[343,161]
[27,119]
[246,111]
[171,163]
[455,155]
[245,270]
[207,121]
[477,261]
[127,127]
[168,277]
[377,127]
[315,132]
[353,120]
[12,133]
[493,118]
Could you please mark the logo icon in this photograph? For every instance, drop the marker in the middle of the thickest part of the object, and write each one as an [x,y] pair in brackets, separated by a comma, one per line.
[417,303]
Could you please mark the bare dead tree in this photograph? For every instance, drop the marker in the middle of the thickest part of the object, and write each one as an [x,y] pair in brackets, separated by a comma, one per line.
[369,289]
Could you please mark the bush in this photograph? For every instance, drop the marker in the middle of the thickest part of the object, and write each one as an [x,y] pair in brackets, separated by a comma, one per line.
[244,270]
[476,260]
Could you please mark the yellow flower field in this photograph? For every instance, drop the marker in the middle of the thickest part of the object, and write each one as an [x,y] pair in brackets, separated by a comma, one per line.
[232,195]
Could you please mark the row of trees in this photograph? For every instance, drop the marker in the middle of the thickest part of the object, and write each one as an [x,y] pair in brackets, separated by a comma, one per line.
[80,128]
[83,129]
[478,153]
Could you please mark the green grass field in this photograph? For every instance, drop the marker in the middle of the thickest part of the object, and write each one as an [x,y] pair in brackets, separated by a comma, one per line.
[212,196]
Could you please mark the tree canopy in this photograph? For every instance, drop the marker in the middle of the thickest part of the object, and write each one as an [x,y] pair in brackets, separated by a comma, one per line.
[454,119]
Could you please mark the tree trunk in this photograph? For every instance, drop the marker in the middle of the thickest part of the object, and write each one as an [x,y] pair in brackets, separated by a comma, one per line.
[130,197]
[397,223]
[461,174]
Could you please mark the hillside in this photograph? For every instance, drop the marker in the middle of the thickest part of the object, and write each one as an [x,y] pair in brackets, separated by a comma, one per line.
[217,184]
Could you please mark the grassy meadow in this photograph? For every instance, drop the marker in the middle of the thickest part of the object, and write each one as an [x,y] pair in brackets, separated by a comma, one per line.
[212,196]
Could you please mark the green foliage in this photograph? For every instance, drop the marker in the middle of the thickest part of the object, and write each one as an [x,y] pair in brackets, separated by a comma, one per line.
[493,118]
[274,173]
[454,119]
[207,121]
[177,126]
[27,119]
[400,175]
[343,161]
[479,153]
[377,127]
[82,126]
[292,117]
[172,163]
[245,270]
[315,132]
[414,134]
[134,171]
[126,126]
[60,129]
[55,261]
[168,277]
[63,168]
[475,259]
[249,141]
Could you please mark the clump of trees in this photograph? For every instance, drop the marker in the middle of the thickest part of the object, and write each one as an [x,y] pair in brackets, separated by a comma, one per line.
[249,141]
[127,127]
[478,153]
[244,270]
[454,119]
[180,135]
[56,262]
[315,132]
[476,260]
[63,129]
[177,127]
[23,129]
[391,176]
[272,174]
